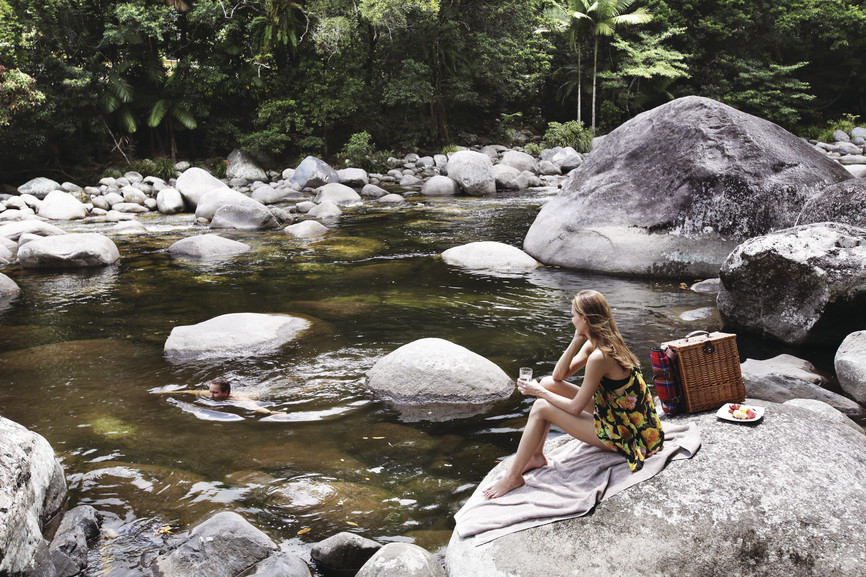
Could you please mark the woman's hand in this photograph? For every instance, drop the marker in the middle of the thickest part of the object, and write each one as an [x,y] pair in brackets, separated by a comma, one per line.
[530,388]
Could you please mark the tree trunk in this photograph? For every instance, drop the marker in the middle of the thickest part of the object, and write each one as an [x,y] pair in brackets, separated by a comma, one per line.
[579,74]
[594,71]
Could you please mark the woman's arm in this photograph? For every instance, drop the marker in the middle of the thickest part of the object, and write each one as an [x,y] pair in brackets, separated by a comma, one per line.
[573,358]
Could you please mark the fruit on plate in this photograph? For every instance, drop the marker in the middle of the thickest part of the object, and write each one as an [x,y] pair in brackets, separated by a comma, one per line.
[741,412]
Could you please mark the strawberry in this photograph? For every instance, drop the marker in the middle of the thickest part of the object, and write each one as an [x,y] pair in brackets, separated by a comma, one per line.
[750,414]
[733,407]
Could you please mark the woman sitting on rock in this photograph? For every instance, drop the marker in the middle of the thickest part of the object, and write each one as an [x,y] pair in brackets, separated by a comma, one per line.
[613,408]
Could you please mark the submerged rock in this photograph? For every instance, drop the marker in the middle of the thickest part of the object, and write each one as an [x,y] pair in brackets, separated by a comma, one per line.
[490,255]
[207,246]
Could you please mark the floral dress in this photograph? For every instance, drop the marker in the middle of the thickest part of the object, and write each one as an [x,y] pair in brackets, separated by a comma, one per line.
[628,423]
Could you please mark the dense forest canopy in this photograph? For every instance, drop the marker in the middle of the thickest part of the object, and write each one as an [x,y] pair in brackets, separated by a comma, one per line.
[88,83]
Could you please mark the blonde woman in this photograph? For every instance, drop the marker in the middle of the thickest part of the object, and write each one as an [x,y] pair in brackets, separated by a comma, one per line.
[613,408]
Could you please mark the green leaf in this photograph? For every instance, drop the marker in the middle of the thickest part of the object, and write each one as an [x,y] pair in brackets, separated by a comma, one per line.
[157,113]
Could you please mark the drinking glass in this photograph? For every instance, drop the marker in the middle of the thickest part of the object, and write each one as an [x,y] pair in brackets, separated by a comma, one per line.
[525,374]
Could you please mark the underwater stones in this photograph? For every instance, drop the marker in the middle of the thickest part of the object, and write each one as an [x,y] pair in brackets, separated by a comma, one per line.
[434,379]
[69,251]
[234,334]
[207,246]
[490,255]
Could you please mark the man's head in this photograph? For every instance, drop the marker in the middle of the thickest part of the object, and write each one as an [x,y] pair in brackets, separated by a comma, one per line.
[220,389]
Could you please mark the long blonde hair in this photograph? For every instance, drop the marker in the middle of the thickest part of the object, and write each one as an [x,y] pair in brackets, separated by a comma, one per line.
[603,333]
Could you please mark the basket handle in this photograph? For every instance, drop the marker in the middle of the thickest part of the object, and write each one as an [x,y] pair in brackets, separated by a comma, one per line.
[694,333]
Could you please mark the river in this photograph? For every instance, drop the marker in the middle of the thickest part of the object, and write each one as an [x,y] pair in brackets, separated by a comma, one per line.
[81,356]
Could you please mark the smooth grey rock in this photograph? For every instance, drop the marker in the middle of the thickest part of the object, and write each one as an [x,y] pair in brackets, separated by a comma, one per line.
[71,187]
[825,411]
[39,187]
[78,532]
[373,191]
[313,173]
[242,165]
[337,193]
[844,202]
[710,285]
[751,502]
[280,565]
[98,201]
[440,160]
[223,545]
[117,216]
[786,377]
[327,209]
[671,191]
[244,217]
[472,171]
[234,334]
[857,170]
[392,198]
[169,201]
[8,287]
[566,158]
[305,206]
[434,379]
[215,199]
[269,195]
[130,208]
[112,198]
[490,255]
[288,173]
[196,182]
[207,246]
[509,178]
[32,491]
[519,160]
[850,364]
[547,168]
[802,285]
[132,176]
[60,205]
[440,186]
[410,181]
[402,560]
[69,250]
[129,227]
[355,177]
[306,229]
[344,552]
[133,195]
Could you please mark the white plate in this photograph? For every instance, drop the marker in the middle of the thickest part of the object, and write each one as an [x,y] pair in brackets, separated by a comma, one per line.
[724,414]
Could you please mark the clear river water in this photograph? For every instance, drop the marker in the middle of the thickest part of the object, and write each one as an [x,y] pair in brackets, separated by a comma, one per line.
[81,355]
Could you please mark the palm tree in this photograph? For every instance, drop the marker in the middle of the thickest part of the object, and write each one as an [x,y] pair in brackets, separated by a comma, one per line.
[605,16]
[569,19]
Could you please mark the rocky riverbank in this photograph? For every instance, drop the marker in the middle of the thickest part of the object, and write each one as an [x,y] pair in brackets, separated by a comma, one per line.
[308,200]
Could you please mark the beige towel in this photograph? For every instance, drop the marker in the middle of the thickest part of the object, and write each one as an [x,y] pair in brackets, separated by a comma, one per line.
[576,478]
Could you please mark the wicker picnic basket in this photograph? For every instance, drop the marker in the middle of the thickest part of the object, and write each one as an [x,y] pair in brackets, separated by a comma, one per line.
[708,368]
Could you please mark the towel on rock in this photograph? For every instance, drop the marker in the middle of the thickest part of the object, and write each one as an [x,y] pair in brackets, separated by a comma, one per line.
[576,478]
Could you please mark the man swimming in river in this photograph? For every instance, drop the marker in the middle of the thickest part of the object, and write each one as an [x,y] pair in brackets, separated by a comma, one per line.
[220,389]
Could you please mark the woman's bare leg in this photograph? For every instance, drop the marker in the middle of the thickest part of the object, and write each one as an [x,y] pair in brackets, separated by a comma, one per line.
[541,417]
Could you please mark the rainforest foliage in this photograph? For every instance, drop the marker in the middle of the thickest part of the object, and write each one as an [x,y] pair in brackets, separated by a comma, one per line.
[87,83]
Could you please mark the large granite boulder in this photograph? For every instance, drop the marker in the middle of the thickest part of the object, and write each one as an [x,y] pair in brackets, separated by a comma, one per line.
[472,171]
[354,177]
[32,491]
[207,246]
[39,187]
[235,210]
[844,202]
[784,496]
[434,379]
[313,173]
[673,190]
[402,560]
[194,183]
[490,255]
[60,205]
[850,364]
[804,285]
[242,165]
[224,544]
[785,377]
[234,335]
[82,250]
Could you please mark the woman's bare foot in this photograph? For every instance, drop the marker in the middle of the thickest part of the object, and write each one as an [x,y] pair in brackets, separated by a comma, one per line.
[536,461]
[502,486]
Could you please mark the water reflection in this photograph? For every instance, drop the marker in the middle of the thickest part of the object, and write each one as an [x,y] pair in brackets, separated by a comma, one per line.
[82,353]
